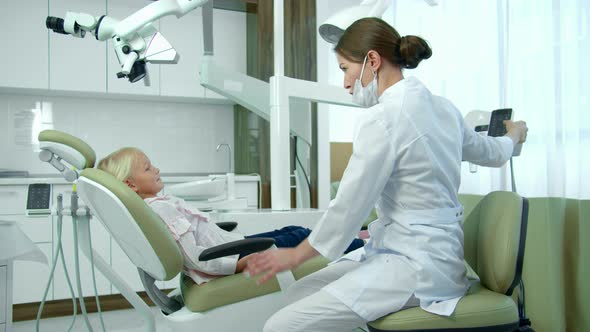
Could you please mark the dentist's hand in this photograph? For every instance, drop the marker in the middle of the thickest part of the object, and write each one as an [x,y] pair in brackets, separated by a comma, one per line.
[271,262]
[516,130]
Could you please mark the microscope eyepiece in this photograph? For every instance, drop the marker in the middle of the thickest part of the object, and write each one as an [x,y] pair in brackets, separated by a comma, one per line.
[56,24]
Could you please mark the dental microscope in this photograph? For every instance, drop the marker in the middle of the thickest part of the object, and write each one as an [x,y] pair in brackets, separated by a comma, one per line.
[135,39]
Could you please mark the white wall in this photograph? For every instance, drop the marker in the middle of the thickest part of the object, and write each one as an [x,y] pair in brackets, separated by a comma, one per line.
[178,137]
[450,72]
[341,118]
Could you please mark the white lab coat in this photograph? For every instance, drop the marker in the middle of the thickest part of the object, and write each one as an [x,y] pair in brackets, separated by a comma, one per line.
[406,162]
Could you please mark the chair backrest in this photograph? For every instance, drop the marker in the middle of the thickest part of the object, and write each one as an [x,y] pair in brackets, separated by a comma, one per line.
[495,234]
[132,223]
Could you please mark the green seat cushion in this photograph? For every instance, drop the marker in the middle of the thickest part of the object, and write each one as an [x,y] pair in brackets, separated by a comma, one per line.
[236,288]
[222,291]
[479,308]
[75,143]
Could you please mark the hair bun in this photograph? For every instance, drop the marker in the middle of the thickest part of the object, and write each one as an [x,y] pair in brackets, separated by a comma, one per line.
[412,50]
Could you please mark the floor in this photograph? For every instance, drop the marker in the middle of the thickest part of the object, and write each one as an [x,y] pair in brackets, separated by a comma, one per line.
[119,320]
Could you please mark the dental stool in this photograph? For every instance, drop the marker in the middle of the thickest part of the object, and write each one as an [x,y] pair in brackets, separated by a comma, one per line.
[495,233]
[225,304]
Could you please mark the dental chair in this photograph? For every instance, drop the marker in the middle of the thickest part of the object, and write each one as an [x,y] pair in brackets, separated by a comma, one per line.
[228,303]
[495,233]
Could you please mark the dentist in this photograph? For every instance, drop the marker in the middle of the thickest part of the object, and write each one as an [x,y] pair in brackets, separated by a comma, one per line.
[406,162]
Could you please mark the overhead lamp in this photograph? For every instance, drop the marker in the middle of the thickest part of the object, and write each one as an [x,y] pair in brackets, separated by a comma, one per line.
[333,28]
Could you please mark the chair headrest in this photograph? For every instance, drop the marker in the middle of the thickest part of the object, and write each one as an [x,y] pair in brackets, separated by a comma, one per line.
[70,148]
[138,230]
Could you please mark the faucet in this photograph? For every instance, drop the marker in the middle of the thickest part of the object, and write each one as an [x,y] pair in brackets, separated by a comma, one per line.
[229,151]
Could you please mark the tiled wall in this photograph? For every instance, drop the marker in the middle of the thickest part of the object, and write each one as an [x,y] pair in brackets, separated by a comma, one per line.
[178,137]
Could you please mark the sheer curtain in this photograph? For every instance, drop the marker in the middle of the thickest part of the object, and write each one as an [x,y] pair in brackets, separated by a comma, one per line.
[527,55]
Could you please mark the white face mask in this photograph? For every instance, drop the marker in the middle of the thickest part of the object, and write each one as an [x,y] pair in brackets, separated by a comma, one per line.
[365,96]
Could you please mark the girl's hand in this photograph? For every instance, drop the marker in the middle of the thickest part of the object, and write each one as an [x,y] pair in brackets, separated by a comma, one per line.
[242,262]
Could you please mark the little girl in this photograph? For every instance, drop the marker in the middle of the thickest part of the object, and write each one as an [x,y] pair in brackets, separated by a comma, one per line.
[190,227]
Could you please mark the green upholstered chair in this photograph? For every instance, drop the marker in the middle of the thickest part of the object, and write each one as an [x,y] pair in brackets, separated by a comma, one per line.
[495,233]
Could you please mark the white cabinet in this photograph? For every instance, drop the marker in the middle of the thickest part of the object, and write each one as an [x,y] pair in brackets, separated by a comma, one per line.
[120,9]
[77,64]
[37,228]
[13,199]
[248,190]
[35,57]
[185,34]
[23,59]
[3,292]
[229,43]
[5,295]
[30,278]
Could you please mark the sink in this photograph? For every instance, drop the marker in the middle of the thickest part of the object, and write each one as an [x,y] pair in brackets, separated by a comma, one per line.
[197,190]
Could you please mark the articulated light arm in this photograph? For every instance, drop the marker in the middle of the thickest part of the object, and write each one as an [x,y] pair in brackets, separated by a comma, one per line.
[129,35]
[333,28]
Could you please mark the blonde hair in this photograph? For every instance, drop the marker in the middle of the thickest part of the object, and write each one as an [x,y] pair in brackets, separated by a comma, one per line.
[120,163]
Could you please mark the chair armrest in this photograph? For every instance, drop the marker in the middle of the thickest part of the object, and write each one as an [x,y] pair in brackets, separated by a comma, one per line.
[227,225]
[245,246]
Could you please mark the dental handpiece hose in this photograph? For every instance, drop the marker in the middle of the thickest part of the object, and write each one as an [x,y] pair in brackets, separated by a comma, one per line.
[83,217]
[74,208]
[58,252]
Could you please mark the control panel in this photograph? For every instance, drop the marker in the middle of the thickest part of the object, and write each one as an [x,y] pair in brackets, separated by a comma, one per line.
[38,199]
[497,127]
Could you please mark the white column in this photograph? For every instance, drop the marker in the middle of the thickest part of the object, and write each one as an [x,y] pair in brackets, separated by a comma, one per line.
[279,37]
[323,141]
[280,178]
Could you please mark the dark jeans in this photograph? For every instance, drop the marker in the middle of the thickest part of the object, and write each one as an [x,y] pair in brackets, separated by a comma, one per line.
[291,236]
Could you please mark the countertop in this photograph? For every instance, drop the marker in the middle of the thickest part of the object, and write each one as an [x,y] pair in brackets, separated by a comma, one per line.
[166,178]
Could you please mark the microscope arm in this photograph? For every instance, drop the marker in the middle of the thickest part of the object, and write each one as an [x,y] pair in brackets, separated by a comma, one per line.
[152,12]
[104,27]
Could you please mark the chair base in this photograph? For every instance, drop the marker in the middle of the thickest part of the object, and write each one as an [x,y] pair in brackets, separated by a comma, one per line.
[248,315]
